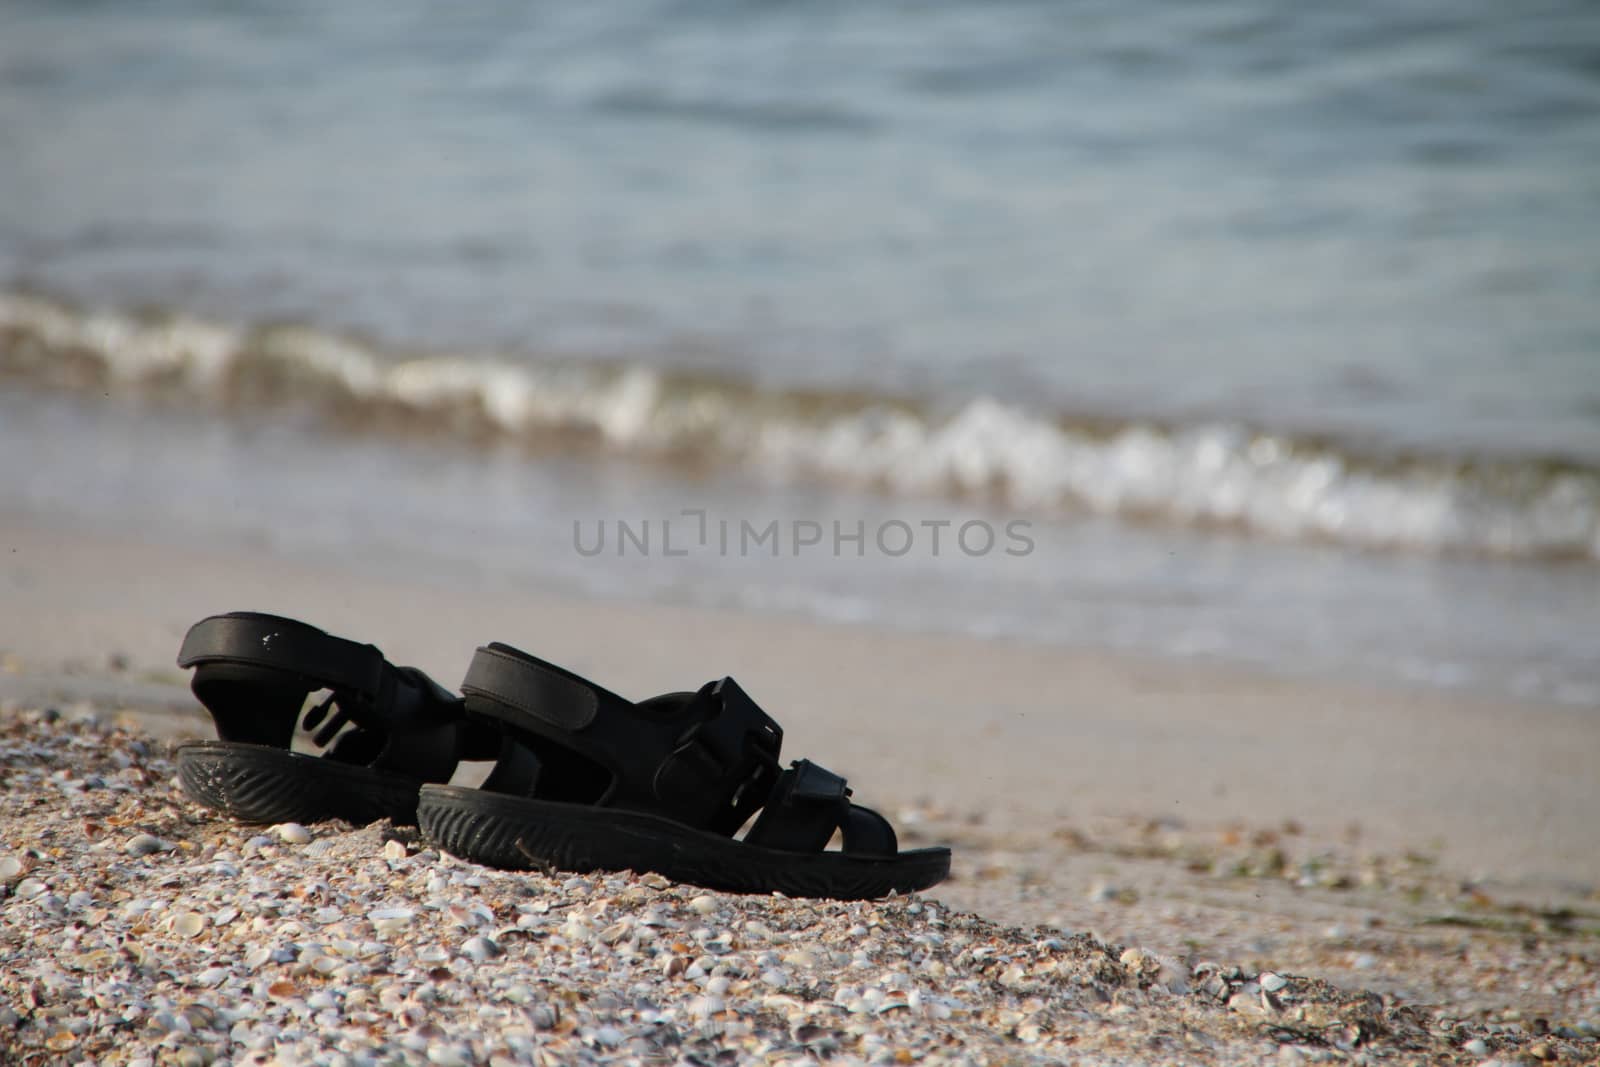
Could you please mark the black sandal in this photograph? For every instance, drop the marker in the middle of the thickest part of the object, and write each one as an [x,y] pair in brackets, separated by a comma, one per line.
[587,780]
[253,673]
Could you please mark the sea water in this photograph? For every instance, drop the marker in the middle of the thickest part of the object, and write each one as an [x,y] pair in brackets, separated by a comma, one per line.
[1276,326]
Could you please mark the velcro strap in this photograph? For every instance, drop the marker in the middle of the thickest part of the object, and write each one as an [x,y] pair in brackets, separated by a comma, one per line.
[269,641]
[735,726]
[724,765]
[519,684]
[816,784]
[807,805]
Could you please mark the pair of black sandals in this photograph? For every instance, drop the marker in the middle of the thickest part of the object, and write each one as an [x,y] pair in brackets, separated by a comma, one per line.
[582,780]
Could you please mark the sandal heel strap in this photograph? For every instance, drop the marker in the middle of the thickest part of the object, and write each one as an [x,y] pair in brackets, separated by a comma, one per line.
[252,639]
[252,671]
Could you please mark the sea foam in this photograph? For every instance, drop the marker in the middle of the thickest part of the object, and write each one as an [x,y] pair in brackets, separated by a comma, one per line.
[1210,473]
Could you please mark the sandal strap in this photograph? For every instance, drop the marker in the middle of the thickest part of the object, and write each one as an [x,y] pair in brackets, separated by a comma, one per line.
[253,639]
[735,743]
[253,671]
[706,759]
[808,804]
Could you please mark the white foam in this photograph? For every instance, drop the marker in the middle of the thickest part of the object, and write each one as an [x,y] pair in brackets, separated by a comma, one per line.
[1214,473]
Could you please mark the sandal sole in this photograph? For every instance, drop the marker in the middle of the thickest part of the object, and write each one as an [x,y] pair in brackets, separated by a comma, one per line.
[514,833]
[261,784]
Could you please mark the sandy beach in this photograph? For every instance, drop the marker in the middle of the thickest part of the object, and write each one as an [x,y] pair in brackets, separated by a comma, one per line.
[1152,450]
[1437,852]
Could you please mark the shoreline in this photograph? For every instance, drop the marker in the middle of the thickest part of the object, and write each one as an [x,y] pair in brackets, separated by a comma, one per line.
[1025,733]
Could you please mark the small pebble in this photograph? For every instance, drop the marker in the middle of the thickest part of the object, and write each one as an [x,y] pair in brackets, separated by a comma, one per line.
[292,833]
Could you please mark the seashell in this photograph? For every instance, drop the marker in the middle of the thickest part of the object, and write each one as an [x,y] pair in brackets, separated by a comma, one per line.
[810,1033]
[211,976]
[1171,978]
[283,990]
[291,833]
[704,904]
[394,850]
[1014,977]
[480,949]
[609,1037]
[29,888]
[187,924]
[145,844]
[1272,982]
[11,869]
[93,961]
[391,920]
[706,1007]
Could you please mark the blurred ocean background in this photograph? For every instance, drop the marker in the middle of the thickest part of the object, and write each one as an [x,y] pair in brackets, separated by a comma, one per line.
[1281,325]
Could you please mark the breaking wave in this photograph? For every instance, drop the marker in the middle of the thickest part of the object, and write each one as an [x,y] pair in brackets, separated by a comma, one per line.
[1206,474]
